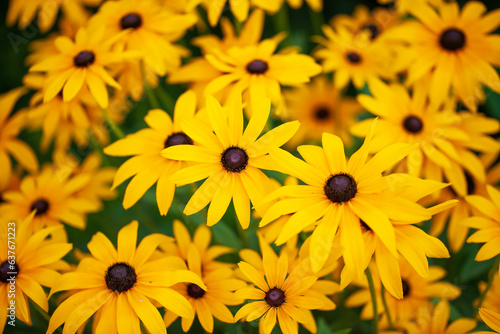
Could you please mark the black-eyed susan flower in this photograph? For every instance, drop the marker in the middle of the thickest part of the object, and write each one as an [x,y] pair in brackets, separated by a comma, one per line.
[487,222]
[298,267]
[212,302]
[9,143]
[320,107]
[338,194]
[230,158]
[403,6]
[352,58]
[53,196]
[148,165]
[434,319]
[412,243]
[27,261]
[445,138]
[150,29]
[276,295]
[259,70]
[201,239]
[316,5]
[80,63]
[490,318]
[198,72]
[120,285]
[46,11]
[417,292]
[456,48]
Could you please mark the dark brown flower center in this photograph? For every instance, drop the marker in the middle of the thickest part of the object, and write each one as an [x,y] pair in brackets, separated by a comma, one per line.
[178,138]
[2,200]
[406,288]
[322,113]
[275,297]
[372,28]
[131,20]
[120,277]
[195,291]
[6,269]
[353,57]
[41,206]
[234,159]
[84,59]
[452,39]
[413,124]
[340,188]
[257,67]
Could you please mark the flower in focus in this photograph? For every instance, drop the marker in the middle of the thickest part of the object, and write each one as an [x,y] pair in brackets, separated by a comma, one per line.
[148,165]
[120,286]
[259,70]
[150,28]
[79,63]
[231,159]
[320,107]
[277,295]
[27,262]
[456,48]
[211,302]
[339,194]
[445,138]
[9,143]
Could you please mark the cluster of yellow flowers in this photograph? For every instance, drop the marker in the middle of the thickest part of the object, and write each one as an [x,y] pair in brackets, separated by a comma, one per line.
[409,79]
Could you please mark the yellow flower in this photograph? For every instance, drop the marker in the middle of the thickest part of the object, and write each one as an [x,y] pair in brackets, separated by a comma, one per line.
[239,8]
[338,194]
[46,12]
[212,302]
[456,48]
[491,318]
[417,292]
[320,107]
[199,71]
[352,58]
[433,319]
[148,165]
[27,261]
[54,198]
[491,300]
[259,70]
[231,159]
[9,143]
[487,222]
[150,28]
[276,294]
[412,243]
[445,138]
[201,240]
[79,63]
[120,284]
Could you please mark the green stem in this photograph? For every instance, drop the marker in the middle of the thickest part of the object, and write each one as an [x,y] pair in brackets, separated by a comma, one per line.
[42,312]
[282,23]
[153,101]
[114,127]
[387,312]
[491,277]
[165,98]
[374,300]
